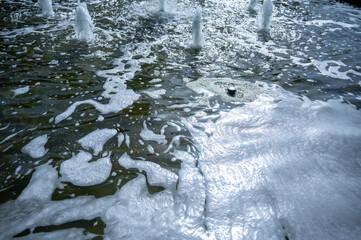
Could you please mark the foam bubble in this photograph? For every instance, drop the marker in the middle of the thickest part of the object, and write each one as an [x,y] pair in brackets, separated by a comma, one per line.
[35,148]
[155,94]
[148,135]
[120,139]
[20,91]
[157,176]
[96,139]
[122,99]
[79,171]
[42,184]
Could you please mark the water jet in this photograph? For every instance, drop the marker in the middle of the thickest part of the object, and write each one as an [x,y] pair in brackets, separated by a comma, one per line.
[266,16]
[197,35]
[46,8]
[83,23]
[162,5]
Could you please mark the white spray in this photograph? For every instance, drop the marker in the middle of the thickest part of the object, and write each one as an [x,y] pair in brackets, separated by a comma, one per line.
[197,35]
[252,6]
[266,16]
[162,5]
[83,23]
[46,7]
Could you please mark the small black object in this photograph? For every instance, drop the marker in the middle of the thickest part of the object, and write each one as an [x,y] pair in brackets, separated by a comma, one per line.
[231,90]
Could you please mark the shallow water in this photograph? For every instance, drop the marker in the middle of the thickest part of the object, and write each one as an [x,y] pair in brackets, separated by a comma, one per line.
[114,138]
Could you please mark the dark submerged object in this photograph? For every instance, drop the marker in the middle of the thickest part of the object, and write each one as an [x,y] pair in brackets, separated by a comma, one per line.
[231,90]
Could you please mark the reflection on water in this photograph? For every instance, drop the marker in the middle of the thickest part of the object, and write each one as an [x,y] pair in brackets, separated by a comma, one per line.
[122,137]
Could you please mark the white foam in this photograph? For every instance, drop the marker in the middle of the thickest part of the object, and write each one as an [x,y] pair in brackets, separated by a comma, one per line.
[120,139]
[20,91]
[156,175]
[321,23]
[35,148]
[326,69]
[79,171]
[150,149]
[148,135]
[155,80]
[157,94]
[280,171]
[118,102]
[42,184]
[95,140]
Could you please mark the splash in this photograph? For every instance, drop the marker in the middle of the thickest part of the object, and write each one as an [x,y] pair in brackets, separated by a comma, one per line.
[197,35]
[83,23]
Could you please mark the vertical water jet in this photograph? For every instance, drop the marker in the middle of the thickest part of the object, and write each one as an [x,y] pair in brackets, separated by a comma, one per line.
[83,23]
[266,16]
[252,6]
[197,35]
[46,8]
[162,5]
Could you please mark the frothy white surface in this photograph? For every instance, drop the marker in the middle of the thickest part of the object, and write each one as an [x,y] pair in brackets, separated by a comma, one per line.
[95,140]
[157,176]
[79,171]
[156,94]
[20,91]
[148,135]
[35,148]
[42,184]
[283,170]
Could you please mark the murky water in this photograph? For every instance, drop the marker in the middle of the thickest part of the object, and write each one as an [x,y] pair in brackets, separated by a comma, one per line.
[120,137]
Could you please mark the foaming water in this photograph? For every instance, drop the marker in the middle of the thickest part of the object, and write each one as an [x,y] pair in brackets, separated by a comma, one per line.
[83,23]
[281,171]
[134,135]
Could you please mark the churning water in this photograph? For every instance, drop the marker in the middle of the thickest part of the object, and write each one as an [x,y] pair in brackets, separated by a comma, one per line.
[130,134]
